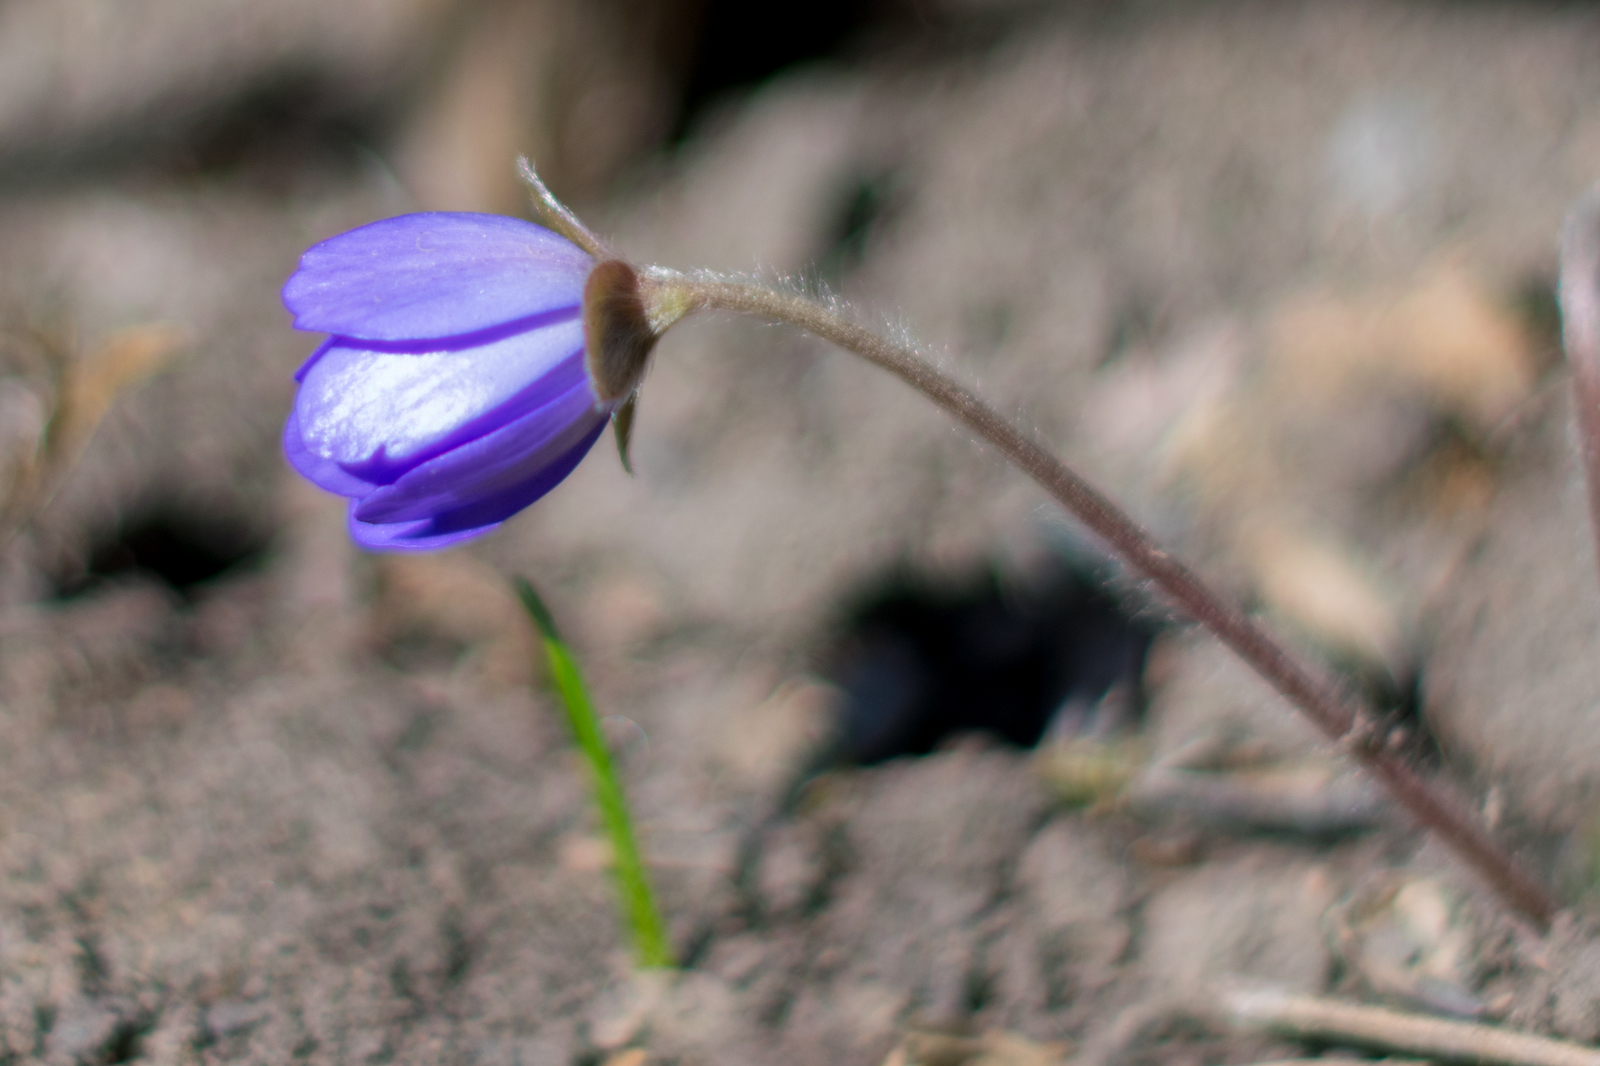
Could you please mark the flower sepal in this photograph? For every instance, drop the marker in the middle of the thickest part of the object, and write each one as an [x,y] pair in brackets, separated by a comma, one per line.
[624,315]
[622,424]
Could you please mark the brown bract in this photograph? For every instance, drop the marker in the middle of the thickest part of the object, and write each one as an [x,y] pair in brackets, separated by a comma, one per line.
[618,336]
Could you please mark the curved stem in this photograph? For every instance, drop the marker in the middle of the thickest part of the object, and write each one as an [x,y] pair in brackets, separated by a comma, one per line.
[1333,711]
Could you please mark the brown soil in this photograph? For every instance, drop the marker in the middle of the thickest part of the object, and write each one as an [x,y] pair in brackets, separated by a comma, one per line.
[1265,270]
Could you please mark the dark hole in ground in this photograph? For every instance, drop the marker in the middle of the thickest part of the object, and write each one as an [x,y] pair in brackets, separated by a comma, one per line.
[1398,702]
[127,1040]
[739,45]
[1537,305]
[44,1020]
[1140,322]
[179,547]
[864,203]
[277,129]
[924,658]
[274,133]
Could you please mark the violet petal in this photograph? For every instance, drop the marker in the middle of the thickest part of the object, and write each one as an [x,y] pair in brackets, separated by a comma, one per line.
[406,536]
[436,274]
[476,518]
[320,471]
[379,414]
[314,358]
[489,465]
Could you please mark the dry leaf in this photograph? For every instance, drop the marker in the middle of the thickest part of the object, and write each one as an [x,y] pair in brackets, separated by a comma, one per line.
[631,1057]
[83,393]
[1409,942]
[91,386]
[1319,587]
[1447,338]
[1083,772]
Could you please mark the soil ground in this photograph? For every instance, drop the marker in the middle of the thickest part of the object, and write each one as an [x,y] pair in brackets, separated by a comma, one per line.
[1277,275]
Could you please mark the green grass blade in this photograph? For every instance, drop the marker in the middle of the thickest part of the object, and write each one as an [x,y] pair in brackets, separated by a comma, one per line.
[650,944]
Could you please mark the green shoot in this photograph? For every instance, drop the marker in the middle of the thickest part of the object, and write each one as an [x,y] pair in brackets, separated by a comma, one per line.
[650,945]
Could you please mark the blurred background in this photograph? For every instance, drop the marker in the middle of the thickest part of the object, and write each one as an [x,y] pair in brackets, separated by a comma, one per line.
[1277,275]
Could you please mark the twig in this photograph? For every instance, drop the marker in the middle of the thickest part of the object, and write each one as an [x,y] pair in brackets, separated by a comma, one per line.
[1306,799]
[1332,710]
[1311,1018]
[1580,334]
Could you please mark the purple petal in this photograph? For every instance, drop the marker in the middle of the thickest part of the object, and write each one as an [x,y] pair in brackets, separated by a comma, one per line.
[378,415]
[434,275]
[320,471]
[473,519]
[314,358]
[407,536]
[489,465]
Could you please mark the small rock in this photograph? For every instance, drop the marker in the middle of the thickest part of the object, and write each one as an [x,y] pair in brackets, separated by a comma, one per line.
[1076,887]
[1257,916]
[229,1016]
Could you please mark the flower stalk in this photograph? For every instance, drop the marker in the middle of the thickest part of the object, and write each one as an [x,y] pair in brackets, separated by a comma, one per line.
[1336,713]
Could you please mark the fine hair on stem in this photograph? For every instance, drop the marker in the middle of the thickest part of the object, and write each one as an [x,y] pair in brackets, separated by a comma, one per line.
[1336,713]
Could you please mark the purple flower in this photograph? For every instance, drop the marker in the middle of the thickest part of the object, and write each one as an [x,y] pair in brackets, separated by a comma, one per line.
[453,390]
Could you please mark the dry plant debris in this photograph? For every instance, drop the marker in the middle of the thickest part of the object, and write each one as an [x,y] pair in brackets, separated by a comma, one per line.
[1313,1018]
[991,1049]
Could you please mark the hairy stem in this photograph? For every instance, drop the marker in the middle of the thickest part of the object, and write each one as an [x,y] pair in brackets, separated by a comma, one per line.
[1333,711]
